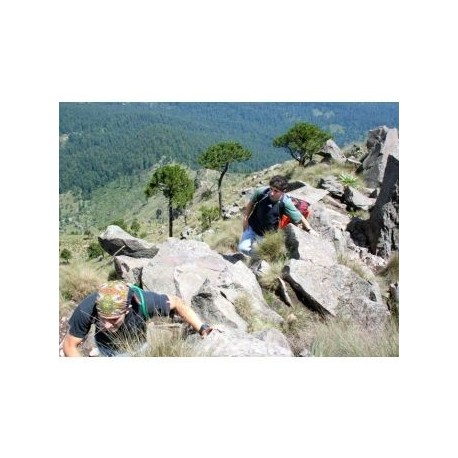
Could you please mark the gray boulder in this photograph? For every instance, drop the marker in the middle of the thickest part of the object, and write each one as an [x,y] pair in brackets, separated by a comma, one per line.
[116,241]
[381,143]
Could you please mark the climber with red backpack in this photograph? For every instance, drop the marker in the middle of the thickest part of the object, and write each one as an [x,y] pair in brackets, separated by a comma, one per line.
[270,209]
[304,208]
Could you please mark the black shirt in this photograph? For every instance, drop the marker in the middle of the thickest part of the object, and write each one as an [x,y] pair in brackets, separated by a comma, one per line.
[133,327]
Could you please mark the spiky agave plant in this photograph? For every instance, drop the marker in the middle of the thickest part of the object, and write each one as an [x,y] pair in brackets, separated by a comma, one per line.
[349,179]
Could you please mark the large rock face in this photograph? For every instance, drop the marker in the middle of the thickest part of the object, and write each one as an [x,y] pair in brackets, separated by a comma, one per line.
[191,270]
[328,287]
[336,290]
[381,143]
[382,228]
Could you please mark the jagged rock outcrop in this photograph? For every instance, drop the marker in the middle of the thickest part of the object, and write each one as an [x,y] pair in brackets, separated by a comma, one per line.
[182,267]
[381,143]
[357,200]
[302,245]
[331,152]
[328,287]
[338,291]
[331,184]
[382,228]
[129,268]
[116,241]
[352,198]
[306,192]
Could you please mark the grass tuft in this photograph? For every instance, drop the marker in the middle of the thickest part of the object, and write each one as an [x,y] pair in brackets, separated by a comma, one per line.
[269,279]
[340,337]
[272,247]
[225,237]
[163,341]
[357,267]
[243,307]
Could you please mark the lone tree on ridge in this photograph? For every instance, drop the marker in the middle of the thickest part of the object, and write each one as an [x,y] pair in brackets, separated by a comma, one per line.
[302,141]
[218,157]
[176,186]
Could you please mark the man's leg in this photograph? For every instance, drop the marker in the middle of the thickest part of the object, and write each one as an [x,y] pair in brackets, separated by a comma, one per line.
[249,237]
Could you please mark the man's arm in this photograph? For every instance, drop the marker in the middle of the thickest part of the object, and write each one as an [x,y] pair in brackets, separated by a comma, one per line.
[79,325]
[71,344]
[187,314]
[306,225]
[298,218]
[246,215]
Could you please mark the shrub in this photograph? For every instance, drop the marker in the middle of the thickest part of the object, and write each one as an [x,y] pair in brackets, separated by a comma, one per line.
[135,227]
[207,194]
[207,216]
[121,223]
[65,255]
[94,250]
[272,247]
[299,326]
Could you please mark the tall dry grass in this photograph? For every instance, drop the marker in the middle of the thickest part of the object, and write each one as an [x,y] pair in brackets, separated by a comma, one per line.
[339,337]
[76,281]
[161,342]
[254,322]
[225,236]
[272,247]
[388,276]
[269,280]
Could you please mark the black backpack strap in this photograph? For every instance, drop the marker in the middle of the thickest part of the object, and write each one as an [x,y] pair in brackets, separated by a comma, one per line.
[261,196]
[282,204]
[264,194]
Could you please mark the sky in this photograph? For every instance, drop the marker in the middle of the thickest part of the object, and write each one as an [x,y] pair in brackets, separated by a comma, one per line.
[57,51]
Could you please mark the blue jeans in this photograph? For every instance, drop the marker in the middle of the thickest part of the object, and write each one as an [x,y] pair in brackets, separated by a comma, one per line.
[248,240]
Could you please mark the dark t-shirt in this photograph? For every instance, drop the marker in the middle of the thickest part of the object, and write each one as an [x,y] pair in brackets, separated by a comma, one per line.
[133,327]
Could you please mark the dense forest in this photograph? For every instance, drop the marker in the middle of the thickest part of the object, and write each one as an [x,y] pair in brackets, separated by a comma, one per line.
[99,142]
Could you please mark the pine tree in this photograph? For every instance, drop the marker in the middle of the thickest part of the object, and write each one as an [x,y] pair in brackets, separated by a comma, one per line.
[218,157]
[176,186]
[302,141]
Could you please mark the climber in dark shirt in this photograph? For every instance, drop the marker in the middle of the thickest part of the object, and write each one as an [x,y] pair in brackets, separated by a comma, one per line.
[120,311]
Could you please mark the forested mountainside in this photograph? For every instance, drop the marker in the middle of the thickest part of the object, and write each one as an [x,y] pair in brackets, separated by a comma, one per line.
[99,142]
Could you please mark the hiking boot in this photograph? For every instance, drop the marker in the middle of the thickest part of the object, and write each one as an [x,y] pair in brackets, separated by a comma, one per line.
[239,257]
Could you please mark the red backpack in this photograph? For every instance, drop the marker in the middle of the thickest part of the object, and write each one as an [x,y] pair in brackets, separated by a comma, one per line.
[302,205]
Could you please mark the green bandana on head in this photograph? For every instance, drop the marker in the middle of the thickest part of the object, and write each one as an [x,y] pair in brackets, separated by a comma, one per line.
[111,299]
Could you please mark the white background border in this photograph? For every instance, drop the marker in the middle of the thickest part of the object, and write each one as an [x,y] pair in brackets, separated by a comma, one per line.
[225,51]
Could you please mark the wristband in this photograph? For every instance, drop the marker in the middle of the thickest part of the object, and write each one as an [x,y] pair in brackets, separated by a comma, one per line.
[203,327]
